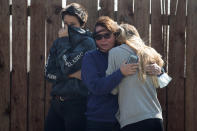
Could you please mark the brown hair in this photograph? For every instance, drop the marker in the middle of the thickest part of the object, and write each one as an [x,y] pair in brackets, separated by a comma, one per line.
[108,23]
[77,10]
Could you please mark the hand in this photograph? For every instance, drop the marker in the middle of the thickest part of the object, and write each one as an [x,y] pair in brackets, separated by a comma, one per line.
[153,69]
[76,75]
[63,32]
[129,69]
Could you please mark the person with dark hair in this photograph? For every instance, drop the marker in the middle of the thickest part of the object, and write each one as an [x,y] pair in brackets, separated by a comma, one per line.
[102,104]
[69,94]
[76,10]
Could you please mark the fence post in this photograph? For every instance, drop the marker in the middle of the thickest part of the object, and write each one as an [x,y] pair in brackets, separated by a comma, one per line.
[4,66]
[191,68]
[19,71]
[37,60]
[176,66]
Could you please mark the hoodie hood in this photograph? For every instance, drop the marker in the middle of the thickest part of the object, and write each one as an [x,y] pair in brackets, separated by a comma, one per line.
[76,34]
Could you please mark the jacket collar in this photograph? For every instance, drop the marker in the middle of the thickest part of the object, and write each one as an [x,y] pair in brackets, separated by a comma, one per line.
[76,35]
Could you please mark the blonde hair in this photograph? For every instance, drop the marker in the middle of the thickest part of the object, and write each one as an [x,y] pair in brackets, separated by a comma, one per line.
[146,54]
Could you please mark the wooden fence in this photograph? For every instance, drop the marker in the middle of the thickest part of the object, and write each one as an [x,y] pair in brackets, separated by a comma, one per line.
[24,95]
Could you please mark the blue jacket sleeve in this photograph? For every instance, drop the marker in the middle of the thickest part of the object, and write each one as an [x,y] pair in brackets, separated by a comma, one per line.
[52,69]
[96,84]
[70,61]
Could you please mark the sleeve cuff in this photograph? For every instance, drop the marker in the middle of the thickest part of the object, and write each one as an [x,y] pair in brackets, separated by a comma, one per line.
[162,72]
[120,75]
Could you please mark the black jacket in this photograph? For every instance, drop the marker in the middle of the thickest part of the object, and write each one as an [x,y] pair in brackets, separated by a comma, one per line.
[65,58]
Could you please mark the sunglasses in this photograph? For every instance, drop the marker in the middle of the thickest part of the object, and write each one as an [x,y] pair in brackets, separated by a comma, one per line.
[101,36]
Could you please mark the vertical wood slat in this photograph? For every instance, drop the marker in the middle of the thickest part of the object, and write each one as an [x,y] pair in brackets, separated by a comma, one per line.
[53,24]
[166,6]
[157,43]
[125,12]
[191,71]
[142,18]
[176,67]
[4,66]
[173,7]
[165,55]
[107,8]
[19,72]
[36,75]
[91,7]
[156,26]
[165,31]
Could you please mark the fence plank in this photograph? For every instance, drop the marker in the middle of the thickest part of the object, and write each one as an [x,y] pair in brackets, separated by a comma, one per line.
[156,26]
[158,44]
[165,19]
[142,18]
[176,66]
[165,55]
[125,12]
[36,75]
[191,64]
[4,66]
[19,72]
[53,24]
[107,8]
[91,7]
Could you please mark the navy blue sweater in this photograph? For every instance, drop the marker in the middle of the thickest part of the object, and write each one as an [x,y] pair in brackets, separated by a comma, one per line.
[102,105]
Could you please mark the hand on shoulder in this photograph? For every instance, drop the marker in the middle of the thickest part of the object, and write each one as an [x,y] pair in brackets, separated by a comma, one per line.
[129,69]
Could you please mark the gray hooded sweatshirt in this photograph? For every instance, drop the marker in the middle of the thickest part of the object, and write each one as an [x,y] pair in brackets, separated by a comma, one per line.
[137,100]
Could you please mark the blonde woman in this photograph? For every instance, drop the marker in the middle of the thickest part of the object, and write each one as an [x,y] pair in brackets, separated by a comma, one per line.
[139,108]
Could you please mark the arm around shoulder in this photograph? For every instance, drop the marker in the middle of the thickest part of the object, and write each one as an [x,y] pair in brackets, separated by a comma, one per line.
[96,83]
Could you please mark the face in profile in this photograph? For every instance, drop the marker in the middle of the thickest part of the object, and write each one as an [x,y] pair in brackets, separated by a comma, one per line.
[105,40]
[71,21]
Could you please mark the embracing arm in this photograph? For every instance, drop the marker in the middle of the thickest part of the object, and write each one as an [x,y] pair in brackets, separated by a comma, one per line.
[97,84]
[114,64]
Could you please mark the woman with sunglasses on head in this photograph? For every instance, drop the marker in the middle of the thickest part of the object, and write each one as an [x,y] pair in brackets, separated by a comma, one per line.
[139,108]
[102,105]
